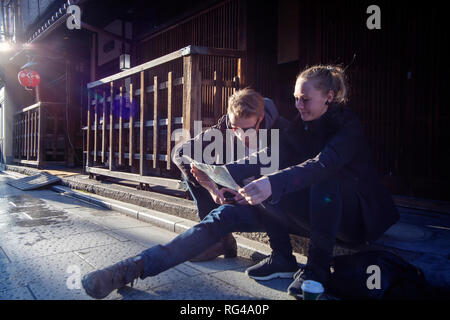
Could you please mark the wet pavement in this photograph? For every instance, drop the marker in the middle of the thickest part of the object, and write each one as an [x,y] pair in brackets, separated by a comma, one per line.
[48,241]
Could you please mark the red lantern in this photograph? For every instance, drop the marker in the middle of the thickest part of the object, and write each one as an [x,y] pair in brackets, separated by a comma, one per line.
[29,78]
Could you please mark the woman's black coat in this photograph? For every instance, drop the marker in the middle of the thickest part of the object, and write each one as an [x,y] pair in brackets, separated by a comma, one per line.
[334,144]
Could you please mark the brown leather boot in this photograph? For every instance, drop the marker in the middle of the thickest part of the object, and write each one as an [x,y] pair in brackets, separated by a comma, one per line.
[100,283]
[226,246]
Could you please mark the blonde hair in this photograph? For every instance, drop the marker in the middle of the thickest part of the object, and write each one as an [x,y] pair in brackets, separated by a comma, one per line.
[328,78]
[246,103]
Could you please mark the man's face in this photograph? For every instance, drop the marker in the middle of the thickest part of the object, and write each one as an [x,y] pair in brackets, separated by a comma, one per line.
[309,101]
[244,127]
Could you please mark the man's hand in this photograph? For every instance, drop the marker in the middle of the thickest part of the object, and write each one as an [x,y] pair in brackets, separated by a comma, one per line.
[203,178]
[257,191]
[237,199]
[208,184]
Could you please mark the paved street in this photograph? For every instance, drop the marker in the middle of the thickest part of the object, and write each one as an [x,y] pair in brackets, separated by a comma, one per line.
[48,240]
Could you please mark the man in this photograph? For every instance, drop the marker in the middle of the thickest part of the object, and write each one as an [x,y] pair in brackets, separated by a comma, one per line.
[247,110]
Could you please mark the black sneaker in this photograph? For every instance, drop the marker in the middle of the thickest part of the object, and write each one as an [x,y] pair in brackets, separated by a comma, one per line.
[274,266]
[295,288]
[100,283]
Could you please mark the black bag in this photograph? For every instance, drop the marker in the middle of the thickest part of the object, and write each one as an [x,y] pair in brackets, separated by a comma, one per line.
[354,277]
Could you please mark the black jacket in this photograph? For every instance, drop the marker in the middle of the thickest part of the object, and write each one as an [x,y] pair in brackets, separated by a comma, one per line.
[272,120]
[334,144]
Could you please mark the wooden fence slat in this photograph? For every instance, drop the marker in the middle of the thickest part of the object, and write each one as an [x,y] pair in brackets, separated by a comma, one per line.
[120,126]
[111,128]
[95,126]
[142,134]
[131,127]
[169,119]
[27,135]
[104,127]
[55,132]
[217,95]
[35,133]
[31,133]
[191,92]
[88,138]
[39,143]
[155,124]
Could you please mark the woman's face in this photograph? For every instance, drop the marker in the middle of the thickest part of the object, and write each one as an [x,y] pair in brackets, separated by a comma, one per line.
[309,101]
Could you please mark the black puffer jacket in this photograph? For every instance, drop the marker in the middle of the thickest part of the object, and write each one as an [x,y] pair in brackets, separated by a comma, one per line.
[334,144]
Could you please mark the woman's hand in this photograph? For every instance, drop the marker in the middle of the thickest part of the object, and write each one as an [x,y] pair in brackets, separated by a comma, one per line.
[257,191]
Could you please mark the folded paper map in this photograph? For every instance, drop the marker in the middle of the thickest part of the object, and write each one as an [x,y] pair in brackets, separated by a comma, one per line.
[218,174]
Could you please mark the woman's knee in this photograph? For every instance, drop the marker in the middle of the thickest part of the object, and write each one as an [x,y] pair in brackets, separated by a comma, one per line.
[326,193]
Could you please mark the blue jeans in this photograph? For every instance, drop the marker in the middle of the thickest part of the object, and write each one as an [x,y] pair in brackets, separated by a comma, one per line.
[202,199]
[218,223]
[324,212]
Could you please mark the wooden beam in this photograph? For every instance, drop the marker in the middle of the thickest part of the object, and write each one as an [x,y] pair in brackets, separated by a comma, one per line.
[170,183]
[145,66]
[184,52]
[237,84]
[191,92]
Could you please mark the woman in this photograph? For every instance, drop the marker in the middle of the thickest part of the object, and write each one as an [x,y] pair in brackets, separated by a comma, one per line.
[329,186]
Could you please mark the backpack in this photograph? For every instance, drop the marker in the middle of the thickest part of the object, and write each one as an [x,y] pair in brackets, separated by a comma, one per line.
[378,275]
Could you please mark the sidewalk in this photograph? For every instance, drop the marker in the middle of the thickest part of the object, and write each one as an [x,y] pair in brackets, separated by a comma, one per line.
[421,237]
[49,240]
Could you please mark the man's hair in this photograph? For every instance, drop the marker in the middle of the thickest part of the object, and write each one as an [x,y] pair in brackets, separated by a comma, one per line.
[246,103]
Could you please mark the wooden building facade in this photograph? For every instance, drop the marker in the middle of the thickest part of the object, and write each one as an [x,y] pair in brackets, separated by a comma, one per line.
[395,77]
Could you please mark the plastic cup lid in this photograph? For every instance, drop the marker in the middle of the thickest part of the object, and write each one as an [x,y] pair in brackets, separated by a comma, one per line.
[312,286]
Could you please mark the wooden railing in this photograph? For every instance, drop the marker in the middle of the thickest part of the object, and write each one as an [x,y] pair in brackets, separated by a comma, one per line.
[131,115]
[40,134]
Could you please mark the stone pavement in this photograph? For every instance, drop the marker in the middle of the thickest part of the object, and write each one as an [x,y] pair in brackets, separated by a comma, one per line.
[48,240]
[421,237]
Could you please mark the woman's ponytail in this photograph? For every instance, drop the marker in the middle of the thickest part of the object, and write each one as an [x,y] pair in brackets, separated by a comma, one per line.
[328,78]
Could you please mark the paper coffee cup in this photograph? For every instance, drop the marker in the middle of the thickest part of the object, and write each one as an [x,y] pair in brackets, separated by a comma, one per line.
[312,290]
